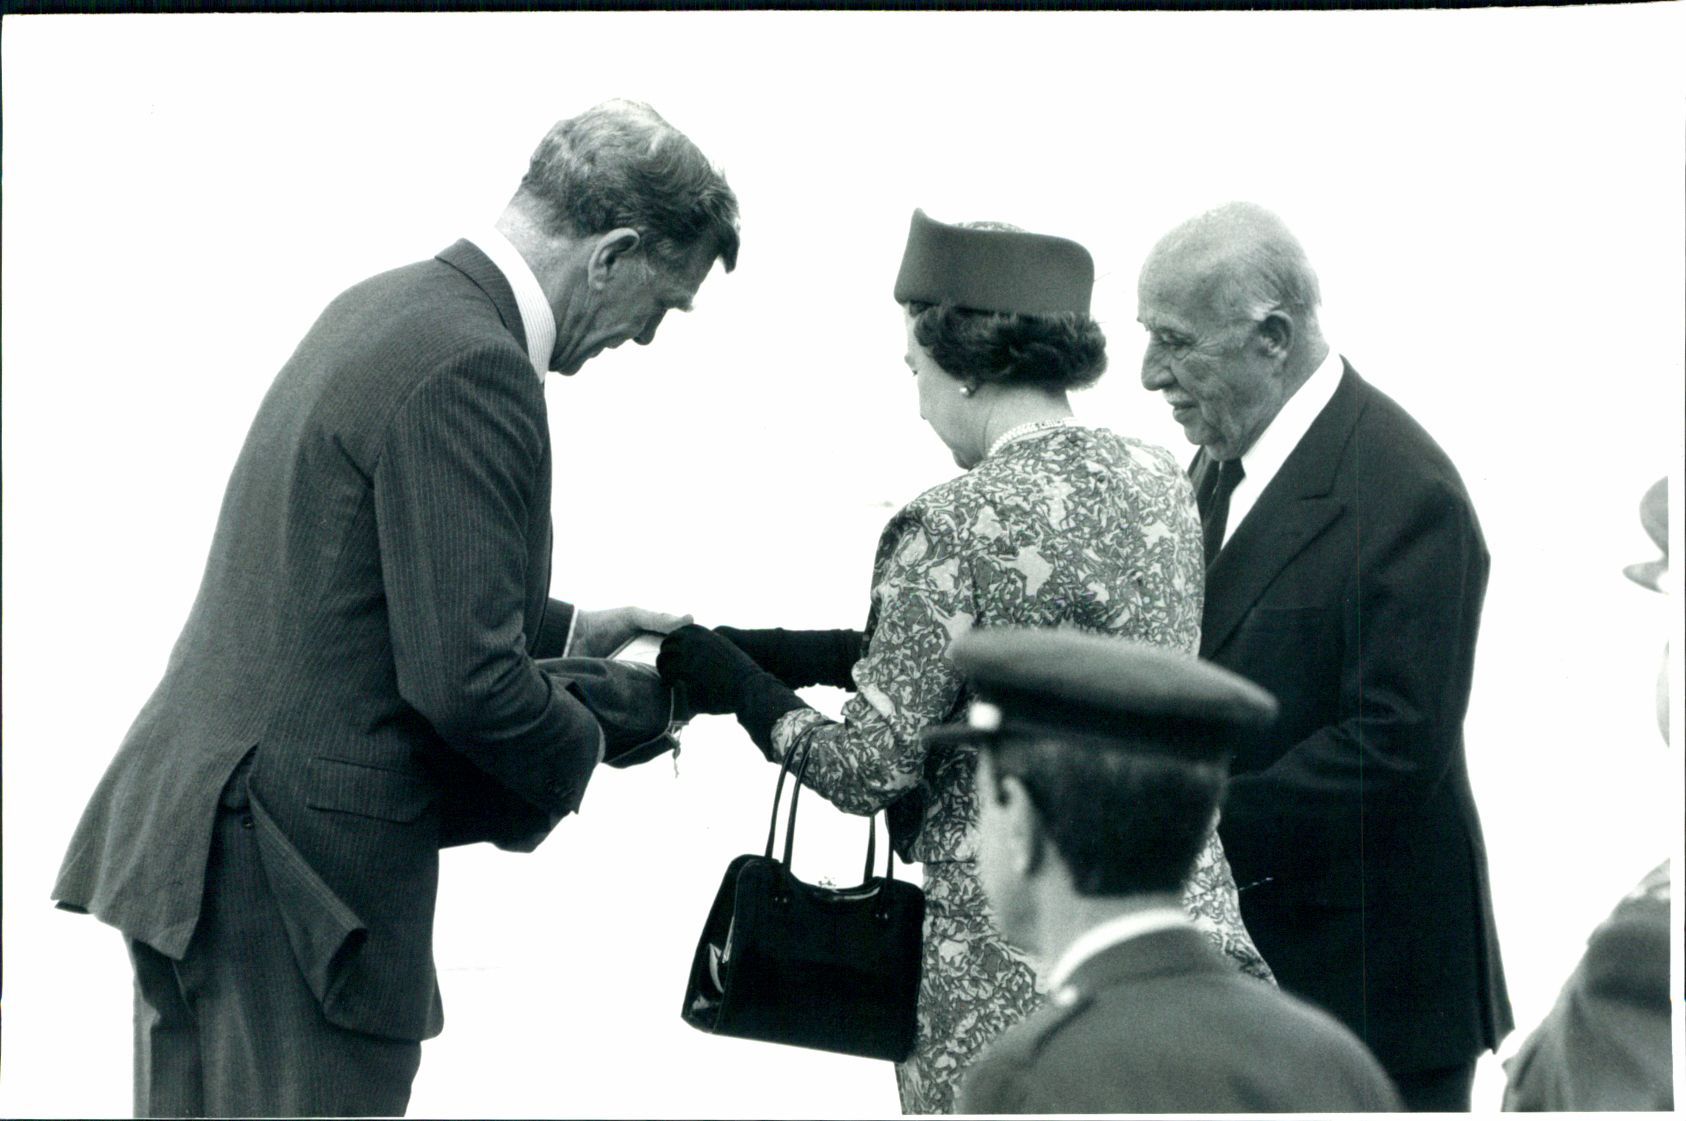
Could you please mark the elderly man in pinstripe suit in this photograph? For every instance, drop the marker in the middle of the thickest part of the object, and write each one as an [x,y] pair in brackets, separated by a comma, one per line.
[356,684]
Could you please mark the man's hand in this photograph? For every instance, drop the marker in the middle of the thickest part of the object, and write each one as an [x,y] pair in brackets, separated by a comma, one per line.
[598,634]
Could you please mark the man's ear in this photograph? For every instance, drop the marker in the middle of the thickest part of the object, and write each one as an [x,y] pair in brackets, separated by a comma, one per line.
[1276,334]
[611,252]
[1024,825]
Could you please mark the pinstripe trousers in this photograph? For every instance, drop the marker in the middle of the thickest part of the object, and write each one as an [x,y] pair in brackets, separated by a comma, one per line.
[232,1029]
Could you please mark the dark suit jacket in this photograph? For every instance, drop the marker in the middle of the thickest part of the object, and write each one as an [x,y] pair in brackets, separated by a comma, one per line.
[366,627]
[1161,1024]
[1352,591]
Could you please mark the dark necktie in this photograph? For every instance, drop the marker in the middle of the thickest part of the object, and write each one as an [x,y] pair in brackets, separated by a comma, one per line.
[1217,483]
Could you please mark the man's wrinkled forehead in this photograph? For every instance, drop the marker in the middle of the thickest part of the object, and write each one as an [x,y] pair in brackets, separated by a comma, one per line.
[1181,282]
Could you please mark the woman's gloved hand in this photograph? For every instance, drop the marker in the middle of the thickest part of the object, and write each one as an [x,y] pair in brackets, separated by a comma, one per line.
[800,658]
[712,670]
[719,678]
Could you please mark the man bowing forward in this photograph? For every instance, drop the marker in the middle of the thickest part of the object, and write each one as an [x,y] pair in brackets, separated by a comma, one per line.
[356,685]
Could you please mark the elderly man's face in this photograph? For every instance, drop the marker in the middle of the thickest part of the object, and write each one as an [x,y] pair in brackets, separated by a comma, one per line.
[1222,381]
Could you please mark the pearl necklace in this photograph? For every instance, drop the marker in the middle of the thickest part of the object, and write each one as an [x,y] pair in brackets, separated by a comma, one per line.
[1019,431]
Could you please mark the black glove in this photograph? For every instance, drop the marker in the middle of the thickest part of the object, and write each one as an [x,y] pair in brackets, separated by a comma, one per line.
[712,670]
[718,677]
[801,658]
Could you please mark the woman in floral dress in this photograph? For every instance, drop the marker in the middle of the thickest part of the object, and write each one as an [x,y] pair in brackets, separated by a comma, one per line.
[1053,524]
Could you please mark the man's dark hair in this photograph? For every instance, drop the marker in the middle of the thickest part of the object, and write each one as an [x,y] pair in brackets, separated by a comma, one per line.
[1124,823]
[619,164]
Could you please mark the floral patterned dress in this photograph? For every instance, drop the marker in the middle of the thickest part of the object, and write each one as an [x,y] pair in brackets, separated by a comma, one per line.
[1066,526]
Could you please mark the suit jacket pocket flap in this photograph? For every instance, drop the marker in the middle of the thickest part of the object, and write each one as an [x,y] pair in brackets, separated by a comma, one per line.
[322,930]
[342,786]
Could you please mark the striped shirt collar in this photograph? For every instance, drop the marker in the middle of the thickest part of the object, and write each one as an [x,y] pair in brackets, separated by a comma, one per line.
[537,319]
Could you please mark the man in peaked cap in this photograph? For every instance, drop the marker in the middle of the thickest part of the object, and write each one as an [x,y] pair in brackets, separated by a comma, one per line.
[1101,762]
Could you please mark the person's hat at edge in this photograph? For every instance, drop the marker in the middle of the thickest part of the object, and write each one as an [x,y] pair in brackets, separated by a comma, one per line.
[1656,575]
[1653,515]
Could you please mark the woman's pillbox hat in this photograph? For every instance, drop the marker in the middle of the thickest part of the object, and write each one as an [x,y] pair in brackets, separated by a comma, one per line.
[1106,692]
[1009,271]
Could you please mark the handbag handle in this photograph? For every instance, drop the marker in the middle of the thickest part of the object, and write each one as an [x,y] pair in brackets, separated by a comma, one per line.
[805,747]
[778,792]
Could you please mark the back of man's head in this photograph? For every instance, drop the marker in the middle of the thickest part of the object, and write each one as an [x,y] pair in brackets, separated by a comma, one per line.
[620,165]
[1123,823]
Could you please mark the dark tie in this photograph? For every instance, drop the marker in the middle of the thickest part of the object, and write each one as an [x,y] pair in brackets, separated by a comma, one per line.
[1217,483]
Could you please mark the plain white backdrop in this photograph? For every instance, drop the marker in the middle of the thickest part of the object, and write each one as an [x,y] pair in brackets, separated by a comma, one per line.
[1492,199]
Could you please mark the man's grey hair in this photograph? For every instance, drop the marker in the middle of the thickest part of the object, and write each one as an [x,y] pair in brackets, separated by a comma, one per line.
[1253,264]
[619,164]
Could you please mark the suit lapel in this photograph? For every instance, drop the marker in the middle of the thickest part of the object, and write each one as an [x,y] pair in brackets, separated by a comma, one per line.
[1291,511]
[466,258]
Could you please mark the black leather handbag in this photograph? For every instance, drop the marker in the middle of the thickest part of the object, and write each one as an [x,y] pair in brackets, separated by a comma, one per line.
[784,961]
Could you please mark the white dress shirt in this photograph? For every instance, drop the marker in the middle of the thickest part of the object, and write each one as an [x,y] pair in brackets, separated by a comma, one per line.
[536,317]
[1109,934]
[1261,462]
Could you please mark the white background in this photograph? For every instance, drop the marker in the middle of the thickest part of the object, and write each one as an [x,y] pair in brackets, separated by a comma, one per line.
[1493,200]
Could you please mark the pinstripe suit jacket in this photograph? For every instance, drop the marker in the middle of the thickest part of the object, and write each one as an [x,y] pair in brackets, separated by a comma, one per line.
[368,620]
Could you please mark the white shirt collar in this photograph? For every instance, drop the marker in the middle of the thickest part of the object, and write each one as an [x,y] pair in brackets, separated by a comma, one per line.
[1110,933]
[1277,442]
[536,317]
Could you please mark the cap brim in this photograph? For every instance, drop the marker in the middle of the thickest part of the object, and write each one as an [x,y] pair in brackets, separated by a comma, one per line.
[961,732]
[1648,573]
[1184,740]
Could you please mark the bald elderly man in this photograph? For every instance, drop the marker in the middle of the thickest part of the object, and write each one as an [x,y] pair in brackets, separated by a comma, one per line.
[1345,570]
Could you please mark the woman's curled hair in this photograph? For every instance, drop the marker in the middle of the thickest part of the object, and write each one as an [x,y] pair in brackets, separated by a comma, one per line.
[1050,352]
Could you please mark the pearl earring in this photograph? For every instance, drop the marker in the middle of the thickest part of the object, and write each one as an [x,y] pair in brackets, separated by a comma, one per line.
[966,391]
